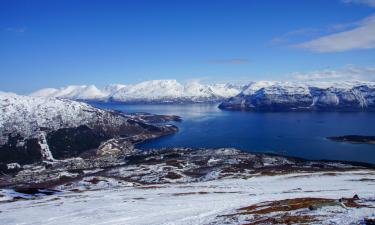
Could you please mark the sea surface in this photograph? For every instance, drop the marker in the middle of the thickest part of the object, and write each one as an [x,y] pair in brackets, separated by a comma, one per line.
[300,134]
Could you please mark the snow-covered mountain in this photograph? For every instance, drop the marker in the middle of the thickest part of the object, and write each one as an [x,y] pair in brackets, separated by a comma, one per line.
[259,96]
[148,91]
[294,96]
[82,92]
[24,115]
[66,127]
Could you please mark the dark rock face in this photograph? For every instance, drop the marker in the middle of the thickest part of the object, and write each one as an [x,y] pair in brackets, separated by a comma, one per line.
[14,152]
[70,142]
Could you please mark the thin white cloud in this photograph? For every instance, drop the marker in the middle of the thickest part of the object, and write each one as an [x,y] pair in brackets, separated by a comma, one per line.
[343,26]
[15,29]
[361,37]
[349,72]
[287,37]
[229,61]
[364,2]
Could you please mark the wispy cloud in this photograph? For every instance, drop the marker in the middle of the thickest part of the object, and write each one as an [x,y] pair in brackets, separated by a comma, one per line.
[287,37]
[343,26]
[229,61]
[356,35]
[15,29]
[364,2]
[361,37]
[349,72]
[310,33]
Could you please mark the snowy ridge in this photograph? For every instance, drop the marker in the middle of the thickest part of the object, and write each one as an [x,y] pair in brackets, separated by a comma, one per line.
[26,115]
[259,95]
[289,96]
[72,92]
[154,90]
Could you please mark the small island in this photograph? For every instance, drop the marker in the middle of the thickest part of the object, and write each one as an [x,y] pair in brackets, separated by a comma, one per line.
[354,139]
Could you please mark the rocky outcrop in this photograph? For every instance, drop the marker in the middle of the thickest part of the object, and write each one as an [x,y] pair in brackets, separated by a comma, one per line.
[115,147]
[118,159]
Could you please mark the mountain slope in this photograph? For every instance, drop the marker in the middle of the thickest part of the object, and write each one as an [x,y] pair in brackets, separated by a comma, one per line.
[291,96]
[67,127]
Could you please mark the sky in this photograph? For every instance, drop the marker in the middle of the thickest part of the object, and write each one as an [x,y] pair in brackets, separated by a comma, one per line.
[58,43]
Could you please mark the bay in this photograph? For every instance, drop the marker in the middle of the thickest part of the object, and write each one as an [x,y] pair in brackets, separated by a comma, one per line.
[299,134]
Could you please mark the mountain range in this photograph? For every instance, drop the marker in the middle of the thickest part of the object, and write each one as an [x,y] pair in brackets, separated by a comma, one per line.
[255,96]
[155,91]
[313,96]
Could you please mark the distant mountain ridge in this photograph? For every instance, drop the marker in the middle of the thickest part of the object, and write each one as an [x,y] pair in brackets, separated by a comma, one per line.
[297,96]
[255,96]
[167,91]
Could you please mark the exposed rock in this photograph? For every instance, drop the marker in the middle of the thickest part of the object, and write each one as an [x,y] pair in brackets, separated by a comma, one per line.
[119,160]
[370,221]
[115,147]
[152,118]
[13,166]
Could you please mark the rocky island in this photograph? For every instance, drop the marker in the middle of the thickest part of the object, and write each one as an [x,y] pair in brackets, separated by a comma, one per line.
[354,139]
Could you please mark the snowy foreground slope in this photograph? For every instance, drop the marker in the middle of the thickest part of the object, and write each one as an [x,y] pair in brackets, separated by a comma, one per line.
[148,91]
[210,202]
[36,128]
[291,96]
[192,186]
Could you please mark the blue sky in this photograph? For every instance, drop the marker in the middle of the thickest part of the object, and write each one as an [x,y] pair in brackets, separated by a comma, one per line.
[57,43]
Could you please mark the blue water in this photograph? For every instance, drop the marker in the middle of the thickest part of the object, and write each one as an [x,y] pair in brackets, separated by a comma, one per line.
[300,134]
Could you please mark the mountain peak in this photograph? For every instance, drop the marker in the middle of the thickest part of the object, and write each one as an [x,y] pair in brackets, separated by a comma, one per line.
[146,91]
